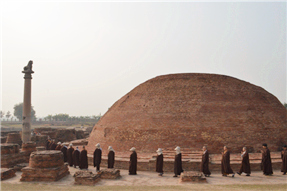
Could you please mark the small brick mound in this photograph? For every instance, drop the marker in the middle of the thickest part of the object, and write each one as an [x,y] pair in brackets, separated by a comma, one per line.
[29,146]
[14,138]
[7,173]
[18,167]
[3,139]
[192,176]
[109,173]
[9,148]
[45,166]
[84,177]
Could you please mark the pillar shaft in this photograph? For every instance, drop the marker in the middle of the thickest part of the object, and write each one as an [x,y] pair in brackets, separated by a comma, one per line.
[26,120]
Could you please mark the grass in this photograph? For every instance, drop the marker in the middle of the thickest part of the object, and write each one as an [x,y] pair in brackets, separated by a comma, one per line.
[195,187]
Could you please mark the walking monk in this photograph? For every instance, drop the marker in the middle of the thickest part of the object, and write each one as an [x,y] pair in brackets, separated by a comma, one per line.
[70,155]
[225,163]
[266,164]
[111,157]
[133,162]
[177,162]
[83,159]
[159,162]
[76,157]
[97,156]
[204,162]
[245,165]
[284,160]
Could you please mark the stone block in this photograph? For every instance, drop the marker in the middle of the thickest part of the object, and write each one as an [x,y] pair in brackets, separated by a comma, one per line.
[7,173]
[192,176]
[84,177]
[29,146]
[109,173]
[9,148]
[46,159]
[14,138]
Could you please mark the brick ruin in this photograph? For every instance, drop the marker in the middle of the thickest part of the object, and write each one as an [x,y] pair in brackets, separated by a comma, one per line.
[192,110]
[45,166]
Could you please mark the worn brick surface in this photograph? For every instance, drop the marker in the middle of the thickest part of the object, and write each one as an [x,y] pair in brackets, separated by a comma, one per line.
[46,159]
[29,147]
[84,177]
[109,173]
[14,138]
[192,110]
[7,173]
[192,176]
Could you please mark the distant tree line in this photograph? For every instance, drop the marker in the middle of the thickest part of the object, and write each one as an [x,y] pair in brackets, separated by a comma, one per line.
[66,117]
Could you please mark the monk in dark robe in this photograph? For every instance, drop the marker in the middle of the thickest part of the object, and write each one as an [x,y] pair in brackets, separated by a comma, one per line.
[177,162]
[284,160]
[159,162]
[58,147]
[133,162]
[225,163]
[53,145]
[111,157]
[83,159]
[76,157]
[64,151]
[48,144]
[70,155]
[266,164]
[205,162]
[245,164]
[97,156]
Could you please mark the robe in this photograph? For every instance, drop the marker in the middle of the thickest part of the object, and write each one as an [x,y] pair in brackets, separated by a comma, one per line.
[97,158]
[284,161]
[70,156]
[159,163]
[266,164]
[225,164]
[245,165]
[64,151]
[53,146]
[48,145]
[76,158]
[58,147]
[204,163]
[83,159]
[111,159]
[133,163]
[177,164]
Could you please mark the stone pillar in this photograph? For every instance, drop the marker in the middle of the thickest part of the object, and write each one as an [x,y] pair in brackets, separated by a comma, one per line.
[26,126]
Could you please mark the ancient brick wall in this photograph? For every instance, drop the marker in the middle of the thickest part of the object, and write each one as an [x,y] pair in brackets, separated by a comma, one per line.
[192,110]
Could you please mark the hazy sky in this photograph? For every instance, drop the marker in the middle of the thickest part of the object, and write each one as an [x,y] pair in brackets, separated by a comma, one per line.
[87,55]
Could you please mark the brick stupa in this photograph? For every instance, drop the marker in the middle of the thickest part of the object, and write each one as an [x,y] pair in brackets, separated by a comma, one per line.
[192,110]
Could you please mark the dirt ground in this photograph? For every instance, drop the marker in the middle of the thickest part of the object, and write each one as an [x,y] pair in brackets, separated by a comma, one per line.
[151,181]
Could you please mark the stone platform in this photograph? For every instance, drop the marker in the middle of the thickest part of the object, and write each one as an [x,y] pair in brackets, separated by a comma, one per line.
[7,173]
[14,138]
[192,176]
[45,166]
[84,177]
[11,155]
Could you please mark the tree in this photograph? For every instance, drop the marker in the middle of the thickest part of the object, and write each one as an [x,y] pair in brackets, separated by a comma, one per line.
[2,113]
[8,115]
[18,112]
[285,105]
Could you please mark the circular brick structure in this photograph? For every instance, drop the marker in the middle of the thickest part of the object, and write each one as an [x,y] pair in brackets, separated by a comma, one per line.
[46,159]
[192,110]
[14,138]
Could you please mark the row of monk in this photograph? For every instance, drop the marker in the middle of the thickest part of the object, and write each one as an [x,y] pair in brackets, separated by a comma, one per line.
[77,158]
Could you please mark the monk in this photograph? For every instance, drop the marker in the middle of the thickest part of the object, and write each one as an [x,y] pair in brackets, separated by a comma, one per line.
[284,160]
[97,156]
[64,151]
[159,162]
[83,159]
[53,145]
[177,162]
[48,144]
[245,164]
[59,146]
[133,162]
[76,157]
[111,157]
[266,164]
[225,163]
[70,155]
[205,162]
